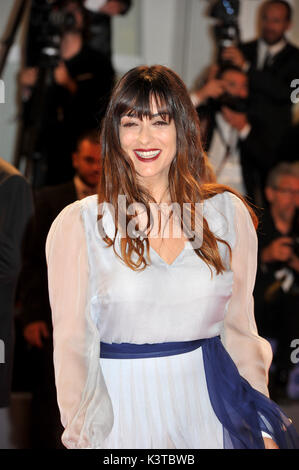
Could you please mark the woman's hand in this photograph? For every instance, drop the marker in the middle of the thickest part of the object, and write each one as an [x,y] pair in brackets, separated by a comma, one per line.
[269,443]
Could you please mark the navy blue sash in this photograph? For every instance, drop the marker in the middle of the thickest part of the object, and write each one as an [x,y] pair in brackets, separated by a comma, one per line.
[135,351]
[243,411]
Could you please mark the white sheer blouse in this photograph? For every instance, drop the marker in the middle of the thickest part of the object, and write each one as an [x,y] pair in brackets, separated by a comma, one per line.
[95,297]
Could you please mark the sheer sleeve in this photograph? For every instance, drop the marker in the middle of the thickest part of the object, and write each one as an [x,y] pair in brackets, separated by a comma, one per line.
[251,353]
[83,400]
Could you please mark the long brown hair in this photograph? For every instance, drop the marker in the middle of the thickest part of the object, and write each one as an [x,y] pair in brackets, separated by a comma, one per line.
[190,176]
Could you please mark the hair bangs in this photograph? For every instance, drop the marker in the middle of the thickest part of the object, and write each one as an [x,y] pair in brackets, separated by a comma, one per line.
[139,100]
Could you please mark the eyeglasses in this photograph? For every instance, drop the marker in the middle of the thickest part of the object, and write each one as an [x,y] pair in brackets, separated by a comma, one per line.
[288,191]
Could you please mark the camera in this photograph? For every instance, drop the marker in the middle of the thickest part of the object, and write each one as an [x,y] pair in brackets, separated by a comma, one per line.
[48,21]
[235,103]
[226,30]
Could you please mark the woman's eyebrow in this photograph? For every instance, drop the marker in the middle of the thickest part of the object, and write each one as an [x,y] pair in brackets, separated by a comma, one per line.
[152,115]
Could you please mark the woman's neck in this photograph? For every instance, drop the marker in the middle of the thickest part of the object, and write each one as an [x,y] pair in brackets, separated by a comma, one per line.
[158,190]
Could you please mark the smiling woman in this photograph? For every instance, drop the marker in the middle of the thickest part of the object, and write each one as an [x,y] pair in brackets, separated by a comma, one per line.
[150,143]
[155,339]
[151,111]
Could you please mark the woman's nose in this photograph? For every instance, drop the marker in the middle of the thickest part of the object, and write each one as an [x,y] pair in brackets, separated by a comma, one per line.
[144,134]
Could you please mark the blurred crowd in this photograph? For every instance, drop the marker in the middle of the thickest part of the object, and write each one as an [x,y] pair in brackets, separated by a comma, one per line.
[246,113]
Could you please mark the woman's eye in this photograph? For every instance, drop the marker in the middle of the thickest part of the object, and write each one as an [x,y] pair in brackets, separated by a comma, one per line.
[161,123]
[129,124]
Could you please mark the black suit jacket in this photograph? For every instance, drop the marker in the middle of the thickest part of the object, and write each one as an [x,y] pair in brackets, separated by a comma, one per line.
[270,93]
[33,285]
[100,37]
[16,207]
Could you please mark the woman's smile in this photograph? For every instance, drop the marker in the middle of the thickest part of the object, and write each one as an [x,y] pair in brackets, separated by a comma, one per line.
[149,155]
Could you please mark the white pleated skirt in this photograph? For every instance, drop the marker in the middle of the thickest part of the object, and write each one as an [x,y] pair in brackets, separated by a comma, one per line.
[161,403]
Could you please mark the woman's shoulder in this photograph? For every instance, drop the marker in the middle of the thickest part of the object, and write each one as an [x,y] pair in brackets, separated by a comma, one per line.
[73,214]
[224,202]
[87,204]
[220,211]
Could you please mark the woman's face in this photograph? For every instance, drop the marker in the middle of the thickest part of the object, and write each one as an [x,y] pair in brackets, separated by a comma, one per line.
[150,144]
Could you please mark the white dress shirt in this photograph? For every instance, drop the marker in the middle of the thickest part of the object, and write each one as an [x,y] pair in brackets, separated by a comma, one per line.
[225,136]
[263,49]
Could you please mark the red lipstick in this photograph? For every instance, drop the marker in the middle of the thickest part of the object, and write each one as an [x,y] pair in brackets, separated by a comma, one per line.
[147,155]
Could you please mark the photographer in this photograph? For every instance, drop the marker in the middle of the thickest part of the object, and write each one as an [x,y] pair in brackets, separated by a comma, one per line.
[277,287]
[73,101]
[231,138]
[271,63]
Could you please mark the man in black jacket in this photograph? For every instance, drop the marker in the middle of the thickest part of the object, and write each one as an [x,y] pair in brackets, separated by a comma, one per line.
[271,63]
[16,207]
[277,284]
[74,99]
[35,311]
[230,136]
